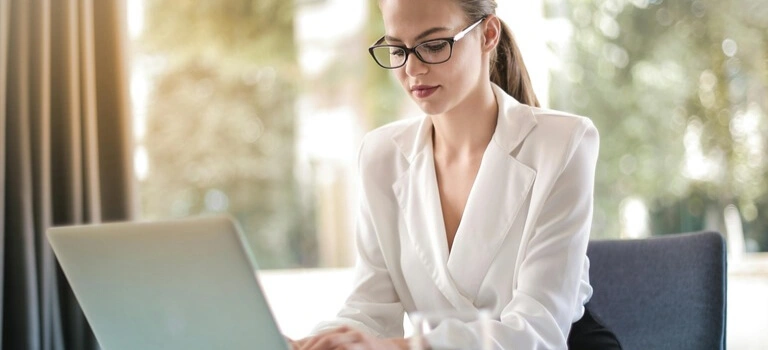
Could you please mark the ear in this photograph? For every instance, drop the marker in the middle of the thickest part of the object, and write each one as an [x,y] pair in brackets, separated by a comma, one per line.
[491,33]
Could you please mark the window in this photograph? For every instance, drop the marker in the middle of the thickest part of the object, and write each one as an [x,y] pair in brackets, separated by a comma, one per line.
[677,90]
[256,108]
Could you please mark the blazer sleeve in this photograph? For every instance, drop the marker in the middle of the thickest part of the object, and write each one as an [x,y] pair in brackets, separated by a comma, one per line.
[373,306]
[547,291]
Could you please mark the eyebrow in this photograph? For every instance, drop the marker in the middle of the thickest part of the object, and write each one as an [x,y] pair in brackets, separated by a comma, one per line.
[423,35]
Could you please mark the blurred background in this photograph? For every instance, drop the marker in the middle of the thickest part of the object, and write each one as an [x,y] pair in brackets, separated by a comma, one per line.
[256,108]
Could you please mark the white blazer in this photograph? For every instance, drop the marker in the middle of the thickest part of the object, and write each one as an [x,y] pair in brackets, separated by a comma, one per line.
[520,249]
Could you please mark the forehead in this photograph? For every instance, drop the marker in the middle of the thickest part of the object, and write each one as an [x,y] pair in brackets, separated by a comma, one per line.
[405,19]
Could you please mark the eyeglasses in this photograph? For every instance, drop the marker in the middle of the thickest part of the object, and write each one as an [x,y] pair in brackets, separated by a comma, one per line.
[430,52]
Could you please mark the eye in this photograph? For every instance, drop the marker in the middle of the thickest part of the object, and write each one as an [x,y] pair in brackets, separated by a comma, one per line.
[435,47]
[396,52]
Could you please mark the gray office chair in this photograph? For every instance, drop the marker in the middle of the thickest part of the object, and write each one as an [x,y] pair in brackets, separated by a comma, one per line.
[666,292]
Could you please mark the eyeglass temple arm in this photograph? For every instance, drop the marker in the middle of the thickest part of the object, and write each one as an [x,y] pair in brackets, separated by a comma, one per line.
[464,32]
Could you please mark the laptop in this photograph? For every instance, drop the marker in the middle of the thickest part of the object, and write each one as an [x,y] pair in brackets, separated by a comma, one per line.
[183,284]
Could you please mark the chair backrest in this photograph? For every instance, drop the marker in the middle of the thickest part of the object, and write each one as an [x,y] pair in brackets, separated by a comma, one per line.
[665,292]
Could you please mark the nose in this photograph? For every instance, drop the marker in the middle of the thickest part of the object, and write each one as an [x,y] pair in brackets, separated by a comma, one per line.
[415,67]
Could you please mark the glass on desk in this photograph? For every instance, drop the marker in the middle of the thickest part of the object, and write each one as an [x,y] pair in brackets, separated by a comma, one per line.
[451,330]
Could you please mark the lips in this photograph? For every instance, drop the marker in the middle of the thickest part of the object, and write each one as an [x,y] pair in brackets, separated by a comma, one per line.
[423,91]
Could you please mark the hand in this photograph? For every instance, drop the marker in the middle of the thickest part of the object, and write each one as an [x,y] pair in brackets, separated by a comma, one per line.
[347,338]
[295,344]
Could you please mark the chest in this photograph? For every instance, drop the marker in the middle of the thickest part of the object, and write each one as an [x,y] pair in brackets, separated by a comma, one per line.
[454,184]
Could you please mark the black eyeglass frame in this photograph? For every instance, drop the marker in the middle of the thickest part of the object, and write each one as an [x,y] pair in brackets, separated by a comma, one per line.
[413,50]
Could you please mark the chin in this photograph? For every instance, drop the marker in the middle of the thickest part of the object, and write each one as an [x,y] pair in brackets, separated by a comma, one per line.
[430,107]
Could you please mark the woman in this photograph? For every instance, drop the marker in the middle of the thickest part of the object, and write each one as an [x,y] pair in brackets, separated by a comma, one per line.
[484,203]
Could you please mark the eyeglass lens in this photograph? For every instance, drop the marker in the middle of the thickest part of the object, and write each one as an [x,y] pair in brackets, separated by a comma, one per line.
[435,51]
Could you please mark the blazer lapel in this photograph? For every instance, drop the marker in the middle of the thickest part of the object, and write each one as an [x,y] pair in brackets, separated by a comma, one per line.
[499,191]
[419,200]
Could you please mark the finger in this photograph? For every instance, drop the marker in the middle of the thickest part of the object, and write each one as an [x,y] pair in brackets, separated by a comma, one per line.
[354,346]
[332,340]
[309,342]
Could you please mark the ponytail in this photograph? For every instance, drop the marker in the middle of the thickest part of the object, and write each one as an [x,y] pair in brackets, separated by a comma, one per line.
[508,70]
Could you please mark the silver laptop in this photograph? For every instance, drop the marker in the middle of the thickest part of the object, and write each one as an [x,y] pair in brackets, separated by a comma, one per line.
[186,284]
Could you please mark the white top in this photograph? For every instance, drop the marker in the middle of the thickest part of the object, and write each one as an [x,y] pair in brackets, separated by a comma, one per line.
[520,249]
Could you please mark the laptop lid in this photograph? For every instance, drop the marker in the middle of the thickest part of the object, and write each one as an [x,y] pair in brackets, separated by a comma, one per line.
[184,284]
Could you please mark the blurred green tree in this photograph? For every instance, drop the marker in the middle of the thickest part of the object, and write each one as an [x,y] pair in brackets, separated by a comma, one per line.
[220,121]
[677,90]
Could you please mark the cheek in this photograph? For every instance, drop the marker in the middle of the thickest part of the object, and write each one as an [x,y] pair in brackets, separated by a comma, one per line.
[454,74]
[462,75]
[466,65]
[400,75]
[402,78]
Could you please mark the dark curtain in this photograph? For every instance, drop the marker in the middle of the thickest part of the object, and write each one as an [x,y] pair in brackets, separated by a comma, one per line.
[65,155]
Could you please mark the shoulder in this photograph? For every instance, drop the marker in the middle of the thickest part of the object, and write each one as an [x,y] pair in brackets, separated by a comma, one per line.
[562,125]
[542,129]
[379,151]
[558,137]
[379,144]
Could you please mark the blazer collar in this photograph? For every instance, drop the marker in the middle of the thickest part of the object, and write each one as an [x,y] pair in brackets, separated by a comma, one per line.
[514,122]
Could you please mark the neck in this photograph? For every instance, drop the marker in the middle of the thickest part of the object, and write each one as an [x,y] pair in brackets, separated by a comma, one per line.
[466,130]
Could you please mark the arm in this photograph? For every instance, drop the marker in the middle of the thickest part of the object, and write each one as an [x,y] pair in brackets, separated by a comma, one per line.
[547,293]
[373,306]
